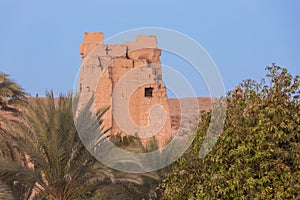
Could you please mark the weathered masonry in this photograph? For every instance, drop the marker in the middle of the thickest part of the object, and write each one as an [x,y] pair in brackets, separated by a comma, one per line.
[128,78]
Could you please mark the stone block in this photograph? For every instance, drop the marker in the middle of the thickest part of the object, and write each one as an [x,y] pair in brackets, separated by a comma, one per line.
[150,54]
[93,37]
[122,62]
[146,41]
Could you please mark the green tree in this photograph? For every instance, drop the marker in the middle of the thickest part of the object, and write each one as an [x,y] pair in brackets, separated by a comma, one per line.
[147,190]
[257,155]
[9,92]
[55,162]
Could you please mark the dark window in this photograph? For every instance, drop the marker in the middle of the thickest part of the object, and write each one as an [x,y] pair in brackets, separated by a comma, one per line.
[148,92]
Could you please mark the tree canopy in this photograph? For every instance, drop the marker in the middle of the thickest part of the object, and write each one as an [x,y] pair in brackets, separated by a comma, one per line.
[257,155]
[52,162]
[10,91]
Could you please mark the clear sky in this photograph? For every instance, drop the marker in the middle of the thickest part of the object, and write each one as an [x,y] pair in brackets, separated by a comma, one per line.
[40,39]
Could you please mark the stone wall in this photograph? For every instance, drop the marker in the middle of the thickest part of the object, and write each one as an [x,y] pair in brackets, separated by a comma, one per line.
[118,75]
[124,71]
[203,103]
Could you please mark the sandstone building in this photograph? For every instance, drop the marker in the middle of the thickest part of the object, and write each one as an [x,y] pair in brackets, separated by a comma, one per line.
[128,78]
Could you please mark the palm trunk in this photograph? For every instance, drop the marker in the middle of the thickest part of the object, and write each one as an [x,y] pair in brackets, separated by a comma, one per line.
[5,192]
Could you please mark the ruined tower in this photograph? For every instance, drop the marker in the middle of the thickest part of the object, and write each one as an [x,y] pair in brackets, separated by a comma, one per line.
[128,78]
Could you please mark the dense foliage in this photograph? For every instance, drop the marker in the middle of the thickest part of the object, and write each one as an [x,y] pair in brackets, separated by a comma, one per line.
[9,92]
[10,95]
[257,155]
[52,162]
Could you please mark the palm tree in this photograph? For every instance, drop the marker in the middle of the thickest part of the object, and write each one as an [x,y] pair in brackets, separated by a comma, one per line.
[151,180]
[9,92]
[56,163]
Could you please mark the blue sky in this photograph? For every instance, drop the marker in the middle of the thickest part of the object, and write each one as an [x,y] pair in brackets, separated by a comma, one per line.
[40,39]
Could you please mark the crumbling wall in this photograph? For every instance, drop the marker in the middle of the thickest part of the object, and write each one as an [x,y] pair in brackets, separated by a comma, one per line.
[102,68]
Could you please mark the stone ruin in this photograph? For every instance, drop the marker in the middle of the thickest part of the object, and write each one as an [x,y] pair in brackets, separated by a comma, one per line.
[128,78]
